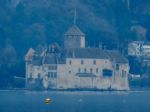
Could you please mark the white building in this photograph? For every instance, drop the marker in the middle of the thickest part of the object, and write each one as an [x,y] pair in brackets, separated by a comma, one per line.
[76,67]
[135,48]
[139,48]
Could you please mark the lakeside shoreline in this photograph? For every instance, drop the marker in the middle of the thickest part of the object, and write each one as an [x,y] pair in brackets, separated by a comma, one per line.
[78,90]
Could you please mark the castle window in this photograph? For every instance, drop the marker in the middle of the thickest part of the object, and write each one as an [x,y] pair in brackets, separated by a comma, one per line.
[85,70]
[39,75]
[123,73]
[52,74]
[55,74]
[79,70]
[49,67]
[96,70]
[52,67]
[82,62]
[49,74]
[55,67]
[70,62]
[91,70]
[30,75]
[117,66]
[94,62]
[69,72]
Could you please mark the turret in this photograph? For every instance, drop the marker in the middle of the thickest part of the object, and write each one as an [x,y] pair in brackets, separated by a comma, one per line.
[74,37]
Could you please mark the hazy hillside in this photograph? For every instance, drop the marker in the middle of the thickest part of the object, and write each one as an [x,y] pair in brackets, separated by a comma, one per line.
[32,23]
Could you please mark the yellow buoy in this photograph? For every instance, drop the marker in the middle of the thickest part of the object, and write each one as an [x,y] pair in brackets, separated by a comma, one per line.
[48,101]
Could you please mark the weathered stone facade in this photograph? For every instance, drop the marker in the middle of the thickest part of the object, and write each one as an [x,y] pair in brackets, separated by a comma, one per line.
[76,67]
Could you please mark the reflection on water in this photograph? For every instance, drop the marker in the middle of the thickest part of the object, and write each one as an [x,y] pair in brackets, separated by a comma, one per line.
[26,101]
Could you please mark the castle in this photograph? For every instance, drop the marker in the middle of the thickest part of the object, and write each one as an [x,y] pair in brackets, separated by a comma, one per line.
[75,66]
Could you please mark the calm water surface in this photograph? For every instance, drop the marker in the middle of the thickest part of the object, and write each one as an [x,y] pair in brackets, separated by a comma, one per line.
[25,101]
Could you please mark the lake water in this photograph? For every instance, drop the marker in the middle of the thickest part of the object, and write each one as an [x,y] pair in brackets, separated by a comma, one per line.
[26,101]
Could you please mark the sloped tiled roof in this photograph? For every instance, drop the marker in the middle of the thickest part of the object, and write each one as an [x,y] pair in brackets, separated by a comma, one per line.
[116,57]
[94,53]
[81,53]
[37,60]
[29,54]
[50,59]
[74,31]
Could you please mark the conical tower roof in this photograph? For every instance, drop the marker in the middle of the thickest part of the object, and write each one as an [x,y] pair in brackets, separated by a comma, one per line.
[74,31]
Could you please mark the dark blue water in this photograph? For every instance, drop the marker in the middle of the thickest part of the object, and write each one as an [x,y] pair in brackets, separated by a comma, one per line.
[24,101]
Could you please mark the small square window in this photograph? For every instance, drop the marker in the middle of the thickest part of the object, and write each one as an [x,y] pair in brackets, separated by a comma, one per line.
[117,66]
[82,62]
[91,70]
[79,70]
[94,62]
[52,75]
[85,70]
[50,67]
[96,70]
[39,75]
[69,72]
[70,62]
[31,75]
[55,74]
[123,73]
[49,75]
